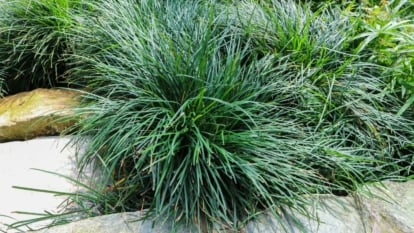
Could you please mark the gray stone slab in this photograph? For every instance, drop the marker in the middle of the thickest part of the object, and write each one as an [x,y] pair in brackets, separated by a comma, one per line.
[16,162]
[363,213]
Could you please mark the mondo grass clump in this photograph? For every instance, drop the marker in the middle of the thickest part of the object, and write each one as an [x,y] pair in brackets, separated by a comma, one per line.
[185,126]
[33,42]
[209,113]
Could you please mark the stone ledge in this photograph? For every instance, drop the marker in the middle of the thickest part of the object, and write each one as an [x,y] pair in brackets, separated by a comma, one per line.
[379,210]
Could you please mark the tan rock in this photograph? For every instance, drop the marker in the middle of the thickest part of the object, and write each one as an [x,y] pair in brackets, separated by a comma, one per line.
[36,113]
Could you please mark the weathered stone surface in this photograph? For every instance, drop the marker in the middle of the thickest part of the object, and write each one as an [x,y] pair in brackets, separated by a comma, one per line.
[36,113]
[330,214]
[119,223]
[389,210]
[385,208]
[16,162]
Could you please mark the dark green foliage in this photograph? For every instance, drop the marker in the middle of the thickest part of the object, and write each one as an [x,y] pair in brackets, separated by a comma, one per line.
[213,111]
[1,84]
[184,122]
[219,111]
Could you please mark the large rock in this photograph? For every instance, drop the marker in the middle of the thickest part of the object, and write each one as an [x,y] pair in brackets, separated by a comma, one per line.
[36,113]
[387,209]
[17,159]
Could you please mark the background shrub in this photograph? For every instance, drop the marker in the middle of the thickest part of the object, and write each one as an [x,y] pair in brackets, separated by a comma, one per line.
[33,43]
[387,33]
[341,91]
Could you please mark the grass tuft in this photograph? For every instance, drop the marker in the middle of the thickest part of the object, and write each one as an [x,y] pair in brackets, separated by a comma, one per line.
[33,43]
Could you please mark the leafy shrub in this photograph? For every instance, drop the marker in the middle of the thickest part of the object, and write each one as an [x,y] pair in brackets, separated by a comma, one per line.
[33,42]
[388,41]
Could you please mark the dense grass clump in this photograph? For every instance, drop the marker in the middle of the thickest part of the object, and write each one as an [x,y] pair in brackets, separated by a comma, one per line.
[191,130]
[33,42]
[212,113]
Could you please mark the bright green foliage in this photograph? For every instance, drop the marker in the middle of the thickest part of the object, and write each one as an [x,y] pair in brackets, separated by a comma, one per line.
[33,42]
[388,40]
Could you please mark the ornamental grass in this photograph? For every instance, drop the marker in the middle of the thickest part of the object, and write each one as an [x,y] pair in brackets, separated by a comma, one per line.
[33,43]
[214,112]
[209,113]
